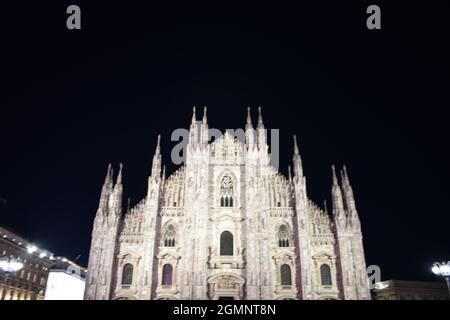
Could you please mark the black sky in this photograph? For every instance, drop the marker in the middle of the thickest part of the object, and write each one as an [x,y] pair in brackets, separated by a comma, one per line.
[73,101]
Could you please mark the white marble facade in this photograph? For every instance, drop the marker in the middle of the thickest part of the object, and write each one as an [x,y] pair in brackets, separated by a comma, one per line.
[226,225]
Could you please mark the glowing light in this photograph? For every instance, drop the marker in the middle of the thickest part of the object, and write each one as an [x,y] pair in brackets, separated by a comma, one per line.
[10,265]
[381,285]
[436,270]
[441,269]
[445,270]
[32,249]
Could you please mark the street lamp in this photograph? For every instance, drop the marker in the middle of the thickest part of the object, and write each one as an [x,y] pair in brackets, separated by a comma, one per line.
[442,270]
[9,265]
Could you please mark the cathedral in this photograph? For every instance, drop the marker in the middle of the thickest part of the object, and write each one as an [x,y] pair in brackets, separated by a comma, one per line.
[227,225]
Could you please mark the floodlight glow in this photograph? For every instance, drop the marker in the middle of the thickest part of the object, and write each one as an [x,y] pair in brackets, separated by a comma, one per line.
[32,249]
[441,269]
[10,265]
[436,270]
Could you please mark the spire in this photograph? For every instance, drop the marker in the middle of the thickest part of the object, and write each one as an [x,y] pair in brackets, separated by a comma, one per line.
[107,183]
[119,177]
[205,120]
[204,134]
[158,145]
[297,160]
[347,188]
[343,186]
[106,191]
[335,180]
[336,196]
[289,174]
[115,199]
[249,131]
[296,151]
[156,165]
[260,119]
[345,176]
[194,118]
[349,197]
[193,134]
[262,135]
[249,124]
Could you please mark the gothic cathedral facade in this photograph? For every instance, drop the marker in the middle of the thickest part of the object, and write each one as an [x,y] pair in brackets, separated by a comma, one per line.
[226,225]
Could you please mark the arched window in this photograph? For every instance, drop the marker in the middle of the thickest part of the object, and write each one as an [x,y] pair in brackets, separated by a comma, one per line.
[169,236]
[325,275]
[283,236]
[226,244]
[167,275]
[127,274]
[226,192]
[286,279]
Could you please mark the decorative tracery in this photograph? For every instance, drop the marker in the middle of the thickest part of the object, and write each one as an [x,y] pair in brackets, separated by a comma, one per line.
[226,192]
[169,236]
[283,236]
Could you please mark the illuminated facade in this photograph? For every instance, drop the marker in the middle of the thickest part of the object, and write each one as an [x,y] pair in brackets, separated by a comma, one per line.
[29,282]
[411,290]
[226,225]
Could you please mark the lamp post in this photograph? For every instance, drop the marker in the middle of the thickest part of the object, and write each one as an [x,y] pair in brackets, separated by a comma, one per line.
[9,265]
[442,270]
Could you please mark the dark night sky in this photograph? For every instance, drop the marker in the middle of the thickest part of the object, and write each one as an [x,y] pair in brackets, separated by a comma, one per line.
[73,101]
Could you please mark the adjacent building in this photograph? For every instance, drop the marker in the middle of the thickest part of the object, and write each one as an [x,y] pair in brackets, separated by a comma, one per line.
[227,225]
[65,281]
[411,290]
[29,282]
[40,269]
